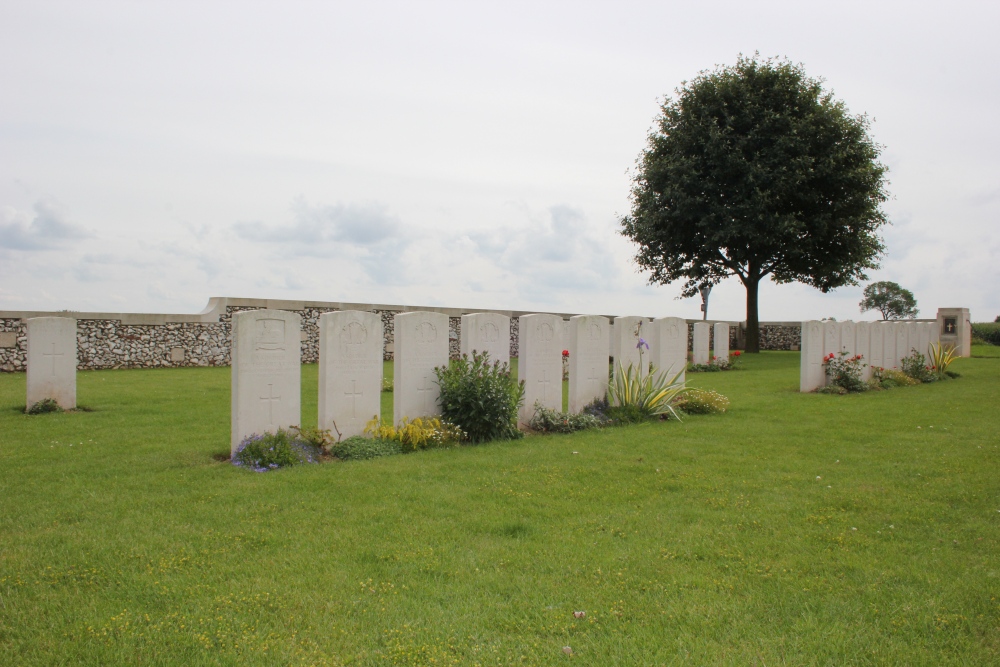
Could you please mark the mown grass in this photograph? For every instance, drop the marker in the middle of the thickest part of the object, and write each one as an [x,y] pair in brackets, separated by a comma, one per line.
[794,529]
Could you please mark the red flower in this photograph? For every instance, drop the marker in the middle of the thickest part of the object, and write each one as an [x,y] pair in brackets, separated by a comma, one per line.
[565,353]
[737,353]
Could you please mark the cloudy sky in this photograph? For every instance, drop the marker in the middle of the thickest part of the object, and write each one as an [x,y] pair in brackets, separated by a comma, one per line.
[154,154]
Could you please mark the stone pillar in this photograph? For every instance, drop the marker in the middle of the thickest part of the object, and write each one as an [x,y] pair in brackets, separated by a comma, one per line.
[539,363]
[350,370]
[812,376]
[51,361]
[266,373]
[955,329]
[421,345]
[588,360]
[486,332]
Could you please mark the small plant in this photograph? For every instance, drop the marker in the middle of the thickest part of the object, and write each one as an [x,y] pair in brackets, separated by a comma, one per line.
[887,378]
[704,368]
[565,364]
[421,433]
[941,357]
[387,385]
[844,371]
[547,420]
[269,451]
[635,395]
[319,438]
[915,365]
[481,398]
[701,402]
[735,360]
[359,448]
[43,406]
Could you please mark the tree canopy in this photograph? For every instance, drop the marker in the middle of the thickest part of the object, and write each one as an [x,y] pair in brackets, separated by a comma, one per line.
[893,301]
[754,171]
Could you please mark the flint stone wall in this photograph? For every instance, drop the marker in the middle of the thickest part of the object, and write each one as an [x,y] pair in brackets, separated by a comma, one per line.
[111,340]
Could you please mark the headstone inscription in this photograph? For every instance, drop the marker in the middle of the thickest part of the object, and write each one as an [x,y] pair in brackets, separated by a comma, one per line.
[699,345]
[51,360]
[812,375]
[266,373]
[831,339]
[588,360]
[421,345]
[848,342]
[539,362]
[669,346]
[862,346]
[720,341]
[486,332]
[350,370]
[625,333]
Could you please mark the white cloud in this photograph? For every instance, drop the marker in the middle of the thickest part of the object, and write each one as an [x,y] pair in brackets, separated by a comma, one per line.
[48,228]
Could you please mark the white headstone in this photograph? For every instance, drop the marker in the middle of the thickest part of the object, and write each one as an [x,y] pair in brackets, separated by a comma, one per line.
[588,360]
[699,345]
[863,346]
[831,339]
[539,362]
[52,361]
[902,343]
[624,341]
[848,343]
[266,373]
[421,345]
[889,359]
[350,370]
[876,345]
[486,332]
[923,339]
[720,347]
[669,346]
[812,375]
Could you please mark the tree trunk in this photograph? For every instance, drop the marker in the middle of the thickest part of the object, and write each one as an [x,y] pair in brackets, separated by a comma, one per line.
[753,324]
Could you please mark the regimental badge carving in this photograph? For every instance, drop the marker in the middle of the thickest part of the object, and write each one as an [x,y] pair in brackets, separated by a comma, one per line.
[352,338]
[489,332]
[673,331]
[545,332]
[426,332]
[269,335]
[594,331]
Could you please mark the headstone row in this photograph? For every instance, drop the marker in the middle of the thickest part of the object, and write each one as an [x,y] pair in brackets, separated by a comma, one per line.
[881,345]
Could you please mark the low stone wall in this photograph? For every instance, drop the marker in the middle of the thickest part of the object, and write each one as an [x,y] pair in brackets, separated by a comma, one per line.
[109,340]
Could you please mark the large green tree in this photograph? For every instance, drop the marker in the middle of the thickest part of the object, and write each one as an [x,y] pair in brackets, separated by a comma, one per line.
[893,301]
[754,170]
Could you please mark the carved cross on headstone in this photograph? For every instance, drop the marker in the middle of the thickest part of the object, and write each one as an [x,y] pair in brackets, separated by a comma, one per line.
[353,396]
[545,382]
[53,354]
[270,398]
[593,376]
[425,391]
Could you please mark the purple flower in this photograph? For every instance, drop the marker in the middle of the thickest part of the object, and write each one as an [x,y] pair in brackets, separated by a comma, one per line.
[642,342]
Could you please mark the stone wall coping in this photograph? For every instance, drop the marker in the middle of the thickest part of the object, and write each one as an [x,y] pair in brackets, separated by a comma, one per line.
[217,307]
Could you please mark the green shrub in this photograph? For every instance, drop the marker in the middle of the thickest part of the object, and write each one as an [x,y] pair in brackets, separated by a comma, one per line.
[916,367]
[43,406]
[268,451]
[987,332]
[319,438]
[546,420]
[480,398]
[701,402]
[360,448]
[844,370]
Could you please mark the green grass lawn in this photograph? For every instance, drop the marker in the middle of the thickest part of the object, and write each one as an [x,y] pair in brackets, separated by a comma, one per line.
[792,530]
